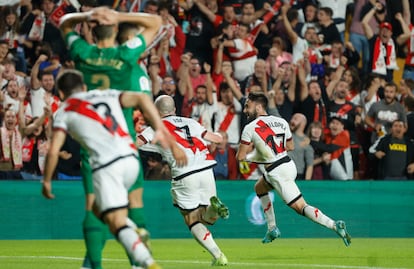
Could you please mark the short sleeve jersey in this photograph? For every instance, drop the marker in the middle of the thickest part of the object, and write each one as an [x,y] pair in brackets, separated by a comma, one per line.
[95,120]
[189,135]
[269,135]
[115,67]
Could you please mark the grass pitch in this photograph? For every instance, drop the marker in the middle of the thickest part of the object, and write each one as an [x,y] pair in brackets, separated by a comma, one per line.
[242,254]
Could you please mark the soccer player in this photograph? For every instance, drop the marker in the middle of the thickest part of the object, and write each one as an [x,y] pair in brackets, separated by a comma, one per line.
[193,187]
[272,138]
[95,120]
[107,65]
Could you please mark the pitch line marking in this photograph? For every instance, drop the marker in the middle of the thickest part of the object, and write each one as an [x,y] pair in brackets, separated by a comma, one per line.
[200,262]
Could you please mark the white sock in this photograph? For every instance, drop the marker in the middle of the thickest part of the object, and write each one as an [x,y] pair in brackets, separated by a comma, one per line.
[210,215]
[133,245]
[205,239]
[317,216]
[268,211]
[130,223]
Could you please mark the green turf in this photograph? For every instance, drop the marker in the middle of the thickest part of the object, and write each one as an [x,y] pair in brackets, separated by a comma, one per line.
[242,253]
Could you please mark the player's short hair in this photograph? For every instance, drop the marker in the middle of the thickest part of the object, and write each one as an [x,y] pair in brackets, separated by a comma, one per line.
[102,32]
[125,30]
[70,80]
[258,97]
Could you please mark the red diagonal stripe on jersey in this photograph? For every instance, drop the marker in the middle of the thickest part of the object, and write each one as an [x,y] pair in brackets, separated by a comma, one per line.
[82,107]
[192,143]
[267,134]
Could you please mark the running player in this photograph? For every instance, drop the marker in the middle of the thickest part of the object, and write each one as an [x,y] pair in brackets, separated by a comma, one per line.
[271,138]
[193,187]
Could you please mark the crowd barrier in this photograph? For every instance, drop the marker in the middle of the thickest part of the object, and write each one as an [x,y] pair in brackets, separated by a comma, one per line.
[370,209]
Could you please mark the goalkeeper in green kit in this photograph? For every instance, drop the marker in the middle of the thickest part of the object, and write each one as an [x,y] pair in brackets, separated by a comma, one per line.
[107,65]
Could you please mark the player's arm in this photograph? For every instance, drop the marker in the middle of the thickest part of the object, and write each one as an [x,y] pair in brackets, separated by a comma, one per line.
[244,148]
[213,137]
[290,145]
[52,159]
[149,22]
[68,21]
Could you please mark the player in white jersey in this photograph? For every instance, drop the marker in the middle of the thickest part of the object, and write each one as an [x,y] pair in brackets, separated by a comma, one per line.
[193,187]
[271,138]
[96,121]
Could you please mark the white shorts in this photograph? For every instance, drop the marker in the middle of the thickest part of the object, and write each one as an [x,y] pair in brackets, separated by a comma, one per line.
[194,190]
[111,183]
[282,178]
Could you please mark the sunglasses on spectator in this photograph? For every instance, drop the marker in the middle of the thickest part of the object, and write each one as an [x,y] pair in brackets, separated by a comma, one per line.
[171,82]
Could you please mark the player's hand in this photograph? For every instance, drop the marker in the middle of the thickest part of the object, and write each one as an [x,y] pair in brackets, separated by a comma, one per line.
[47,189]
[179,155]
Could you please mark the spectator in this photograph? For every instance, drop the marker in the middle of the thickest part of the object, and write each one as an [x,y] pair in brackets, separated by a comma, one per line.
[4,51]
[357,36]
[341,159]
[328,31]
[382,46]
[310,19]
[11,99]
[242,52]
[382,114]
[172,46]
[225,156]
[395,154]
[259,78]
[302,154]
[42,88]
[322,151]
[227,115]
[10,32]
[300,45]
[35,142]
[313,101]
[284,98]
[200,32]
[346,111]
[337,52]
[38,27]
[169,87]
[10,73]
[339,13]
[277,56]
[203,107]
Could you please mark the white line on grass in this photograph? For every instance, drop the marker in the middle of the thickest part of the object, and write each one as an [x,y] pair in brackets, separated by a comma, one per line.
[200,262]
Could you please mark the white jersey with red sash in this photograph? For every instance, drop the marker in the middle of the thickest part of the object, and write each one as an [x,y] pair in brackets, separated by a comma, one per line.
[227,119]
[189,135]
[269,135]
[95,120]
[243,56]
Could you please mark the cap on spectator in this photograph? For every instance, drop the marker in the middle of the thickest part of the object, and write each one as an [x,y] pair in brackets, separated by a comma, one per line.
[338,119]
[386,25]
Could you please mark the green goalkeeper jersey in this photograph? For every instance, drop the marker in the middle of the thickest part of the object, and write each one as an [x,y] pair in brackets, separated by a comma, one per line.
[111,68]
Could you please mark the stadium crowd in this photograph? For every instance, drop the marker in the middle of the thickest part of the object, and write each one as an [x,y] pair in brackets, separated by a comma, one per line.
[328,67]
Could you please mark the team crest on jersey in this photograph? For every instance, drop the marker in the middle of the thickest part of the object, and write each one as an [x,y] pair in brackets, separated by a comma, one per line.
[144,84]
[134,43]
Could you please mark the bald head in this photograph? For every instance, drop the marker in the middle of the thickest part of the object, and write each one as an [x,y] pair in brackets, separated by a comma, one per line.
[165,105]
[298,122]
